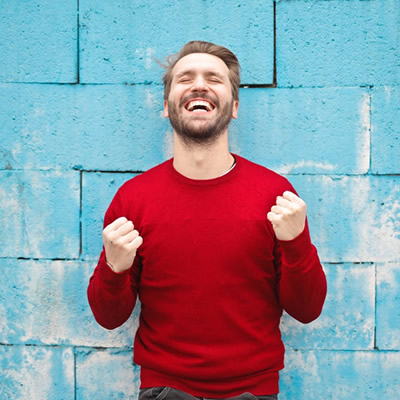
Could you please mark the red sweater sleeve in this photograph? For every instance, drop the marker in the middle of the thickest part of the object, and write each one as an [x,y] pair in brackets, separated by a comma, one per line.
[112,296]
[302,283]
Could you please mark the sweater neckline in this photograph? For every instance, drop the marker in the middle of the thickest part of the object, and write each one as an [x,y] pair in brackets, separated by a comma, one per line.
[206,182]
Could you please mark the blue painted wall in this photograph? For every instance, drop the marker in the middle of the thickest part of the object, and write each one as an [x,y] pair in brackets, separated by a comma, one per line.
[80,113]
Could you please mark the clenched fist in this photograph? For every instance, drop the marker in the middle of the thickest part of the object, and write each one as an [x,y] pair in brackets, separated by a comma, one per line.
[121,242]
[288,216]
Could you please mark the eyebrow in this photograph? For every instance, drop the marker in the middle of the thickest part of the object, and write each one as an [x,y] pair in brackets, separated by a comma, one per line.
[191,72]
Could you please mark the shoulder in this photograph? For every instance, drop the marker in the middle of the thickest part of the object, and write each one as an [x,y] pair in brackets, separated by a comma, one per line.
[146,180]
[131,198]
[258,174]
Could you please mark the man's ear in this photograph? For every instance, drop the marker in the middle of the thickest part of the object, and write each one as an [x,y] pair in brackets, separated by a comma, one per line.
[235,109]
[166,115]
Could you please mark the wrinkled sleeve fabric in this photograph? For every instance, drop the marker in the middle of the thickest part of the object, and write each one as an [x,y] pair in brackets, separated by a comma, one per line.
[302,283]
[112,296]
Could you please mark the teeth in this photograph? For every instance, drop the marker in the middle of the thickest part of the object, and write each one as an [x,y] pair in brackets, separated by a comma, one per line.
[201,103]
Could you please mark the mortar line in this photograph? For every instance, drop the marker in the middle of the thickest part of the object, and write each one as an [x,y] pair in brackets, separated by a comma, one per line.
[274,83]
[376,305]
[74,352]
[78,60]
[103,171]
[128,349]
[155,84]
[256,85]
[41,258]
[338,174]
[275,78]
[80,211]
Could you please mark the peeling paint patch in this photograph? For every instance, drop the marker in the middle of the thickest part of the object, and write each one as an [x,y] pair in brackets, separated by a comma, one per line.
[36,373]
[118,375]
[388,306]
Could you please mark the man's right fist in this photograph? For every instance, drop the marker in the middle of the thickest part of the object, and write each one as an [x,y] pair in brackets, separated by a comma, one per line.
[121,242]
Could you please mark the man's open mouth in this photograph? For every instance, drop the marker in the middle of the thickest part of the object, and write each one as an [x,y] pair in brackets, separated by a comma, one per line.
[199,106]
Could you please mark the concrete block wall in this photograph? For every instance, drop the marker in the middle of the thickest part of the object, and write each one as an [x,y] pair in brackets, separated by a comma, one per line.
[81,112]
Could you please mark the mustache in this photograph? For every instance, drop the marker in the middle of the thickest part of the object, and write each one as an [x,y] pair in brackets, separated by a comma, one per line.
[195,95]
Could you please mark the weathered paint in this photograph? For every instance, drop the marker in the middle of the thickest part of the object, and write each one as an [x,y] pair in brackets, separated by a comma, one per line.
[38,41]
[317,131]
[30,372]
[353,218]
[89,127]
[97,192]
[120,42]
[385,130]
[337,43]
[32,215]
[106,374]
[347,321]
[45,303]
[81,111]
[344,375]
[388,306]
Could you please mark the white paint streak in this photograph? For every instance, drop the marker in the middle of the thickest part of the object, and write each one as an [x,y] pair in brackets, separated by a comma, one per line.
[388,91]
[53,304]
[387,274]
[149,57]
[289,168]
[146,54]
[12,219]
[38,112]
[151,101]
[375,220]
[364,137]
[360,205]
[115,369]
[16,150]
[33,373]
[386,227]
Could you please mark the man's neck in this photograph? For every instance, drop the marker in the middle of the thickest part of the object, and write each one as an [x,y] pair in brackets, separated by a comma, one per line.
[202,162]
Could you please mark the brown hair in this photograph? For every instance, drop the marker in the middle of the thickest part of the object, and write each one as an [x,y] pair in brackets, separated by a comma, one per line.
[197,46]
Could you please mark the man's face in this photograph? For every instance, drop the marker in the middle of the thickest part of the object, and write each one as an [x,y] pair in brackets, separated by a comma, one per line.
[200,104]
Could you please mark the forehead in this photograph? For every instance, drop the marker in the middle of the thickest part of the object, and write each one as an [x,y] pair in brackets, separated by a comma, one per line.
[200,63]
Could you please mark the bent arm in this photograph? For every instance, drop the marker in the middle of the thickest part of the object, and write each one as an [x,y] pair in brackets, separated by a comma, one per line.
[302,283]
[111,295]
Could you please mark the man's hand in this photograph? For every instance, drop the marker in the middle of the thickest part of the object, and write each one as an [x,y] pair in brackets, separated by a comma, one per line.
[121,242]
[288,216]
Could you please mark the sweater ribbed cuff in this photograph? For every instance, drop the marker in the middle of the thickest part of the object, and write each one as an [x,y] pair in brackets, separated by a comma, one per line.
[297,249]
[111,277]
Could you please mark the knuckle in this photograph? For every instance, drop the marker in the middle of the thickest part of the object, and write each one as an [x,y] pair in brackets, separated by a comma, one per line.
[106,235]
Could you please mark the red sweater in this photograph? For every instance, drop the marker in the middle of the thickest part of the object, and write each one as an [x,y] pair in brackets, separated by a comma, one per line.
[212,280]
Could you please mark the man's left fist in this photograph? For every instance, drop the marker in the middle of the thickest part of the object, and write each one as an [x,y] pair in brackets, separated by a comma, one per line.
[288,216]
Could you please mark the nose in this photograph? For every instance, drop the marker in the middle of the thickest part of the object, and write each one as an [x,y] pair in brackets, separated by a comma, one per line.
[199,84]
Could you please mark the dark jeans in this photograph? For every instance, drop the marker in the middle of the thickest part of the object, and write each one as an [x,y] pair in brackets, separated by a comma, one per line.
[167,393]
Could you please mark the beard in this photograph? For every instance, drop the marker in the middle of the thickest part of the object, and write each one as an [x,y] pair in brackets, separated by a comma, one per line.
[200,134]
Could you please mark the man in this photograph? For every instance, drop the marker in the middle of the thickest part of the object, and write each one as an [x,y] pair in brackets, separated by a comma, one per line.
[214,246]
